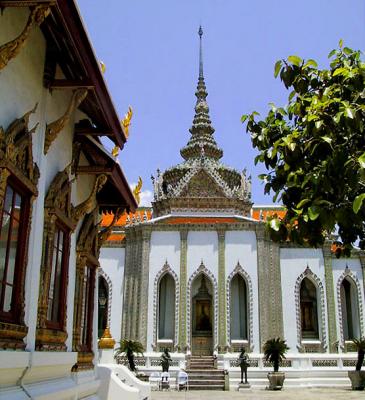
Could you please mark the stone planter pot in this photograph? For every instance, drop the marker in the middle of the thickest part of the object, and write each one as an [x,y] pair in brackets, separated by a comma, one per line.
[357,379]
[276,380]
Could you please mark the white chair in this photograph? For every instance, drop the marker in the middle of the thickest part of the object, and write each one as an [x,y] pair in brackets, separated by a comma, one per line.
[165,380]
[155,381]
[182,380]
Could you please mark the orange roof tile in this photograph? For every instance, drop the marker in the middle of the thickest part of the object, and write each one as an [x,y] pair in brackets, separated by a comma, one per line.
[201,220]
[267,213]
[108,218]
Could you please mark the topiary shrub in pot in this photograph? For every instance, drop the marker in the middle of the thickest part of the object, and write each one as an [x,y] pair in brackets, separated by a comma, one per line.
[357,377]
[274,352]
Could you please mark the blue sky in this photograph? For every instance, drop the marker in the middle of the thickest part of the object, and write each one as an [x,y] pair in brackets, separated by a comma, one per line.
[150,49]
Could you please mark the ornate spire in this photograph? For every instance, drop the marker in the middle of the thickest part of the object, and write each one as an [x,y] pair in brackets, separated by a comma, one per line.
[202,129]
[200,32]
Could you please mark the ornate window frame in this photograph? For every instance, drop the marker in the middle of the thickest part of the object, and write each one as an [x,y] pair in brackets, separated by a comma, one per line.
[238,270]
[87,252]
[166,269]
[57,216]
[302,347]
[102,273]
[18,168]
[202,270]
[347,273]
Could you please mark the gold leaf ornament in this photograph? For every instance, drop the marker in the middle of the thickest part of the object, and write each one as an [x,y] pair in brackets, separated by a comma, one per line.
[11,49]
[126,121]
[137,190]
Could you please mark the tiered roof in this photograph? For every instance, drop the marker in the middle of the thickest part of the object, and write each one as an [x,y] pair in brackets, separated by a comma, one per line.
[201,181]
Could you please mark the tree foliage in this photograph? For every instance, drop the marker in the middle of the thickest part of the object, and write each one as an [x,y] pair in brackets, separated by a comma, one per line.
[129,348]
[314,151]
[274,351]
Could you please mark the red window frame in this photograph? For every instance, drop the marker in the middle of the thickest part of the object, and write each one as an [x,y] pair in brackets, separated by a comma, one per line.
[13,315]
[87,314]
[51,323]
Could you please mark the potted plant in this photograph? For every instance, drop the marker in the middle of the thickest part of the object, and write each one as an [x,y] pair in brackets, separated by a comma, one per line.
[129,348]
[357,377]
[274,351]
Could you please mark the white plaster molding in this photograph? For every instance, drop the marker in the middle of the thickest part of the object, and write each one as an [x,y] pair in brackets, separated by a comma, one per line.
[308,273]
[202,270]
[166,269]
[347,273]
[240,271]
[102,273]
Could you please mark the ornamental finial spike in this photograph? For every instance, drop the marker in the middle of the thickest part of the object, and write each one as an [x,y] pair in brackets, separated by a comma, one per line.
[200,32]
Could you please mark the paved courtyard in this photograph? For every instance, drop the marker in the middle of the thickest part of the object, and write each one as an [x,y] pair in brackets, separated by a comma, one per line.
[255,394]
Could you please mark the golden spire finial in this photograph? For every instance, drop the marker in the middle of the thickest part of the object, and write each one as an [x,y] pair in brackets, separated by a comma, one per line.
[102,67]
[115,151]
[137,190]
[126,121]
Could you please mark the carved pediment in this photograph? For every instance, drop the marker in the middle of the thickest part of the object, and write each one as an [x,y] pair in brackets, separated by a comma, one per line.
[88,239]
[202,185]
[59,194]
[16,148]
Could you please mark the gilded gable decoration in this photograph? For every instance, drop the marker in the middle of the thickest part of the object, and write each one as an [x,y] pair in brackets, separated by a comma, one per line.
[11,49]
[55,127]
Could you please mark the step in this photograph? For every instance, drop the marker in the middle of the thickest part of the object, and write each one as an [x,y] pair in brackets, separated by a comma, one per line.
[204,372]
[205,387]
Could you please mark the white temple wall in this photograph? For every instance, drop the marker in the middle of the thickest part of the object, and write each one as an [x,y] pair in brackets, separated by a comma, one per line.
[293,263]
[112,262]
[241,248]
[202,246]
[339,267]
[164,247]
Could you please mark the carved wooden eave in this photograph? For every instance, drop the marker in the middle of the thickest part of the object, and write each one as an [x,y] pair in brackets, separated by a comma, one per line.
[116,192]
[55,127]
[68,46]
[10,50]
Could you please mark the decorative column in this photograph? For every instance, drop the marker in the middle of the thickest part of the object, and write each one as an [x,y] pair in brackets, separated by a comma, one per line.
[128,286]
[144,279]
[330,298]
[183,288]
[137,272]
[269,284]
[222,302]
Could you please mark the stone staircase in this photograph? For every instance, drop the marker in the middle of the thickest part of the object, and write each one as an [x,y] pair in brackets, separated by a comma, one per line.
[203,375]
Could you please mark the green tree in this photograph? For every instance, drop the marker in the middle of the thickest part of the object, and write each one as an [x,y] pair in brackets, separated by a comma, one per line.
[129,348]
[313,149]
[274,351]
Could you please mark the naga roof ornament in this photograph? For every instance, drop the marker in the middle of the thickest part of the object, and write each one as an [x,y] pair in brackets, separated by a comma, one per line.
[201,181]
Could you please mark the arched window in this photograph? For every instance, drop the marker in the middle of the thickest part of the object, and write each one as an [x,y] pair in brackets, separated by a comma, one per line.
[102,306]
[239,309]
[350,309]
[166,307]
[308,310]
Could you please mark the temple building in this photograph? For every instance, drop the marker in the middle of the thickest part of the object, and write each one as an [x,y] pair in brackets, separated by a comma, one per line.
[197,273]
[56,180]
